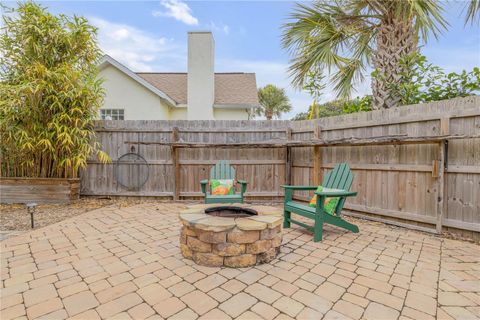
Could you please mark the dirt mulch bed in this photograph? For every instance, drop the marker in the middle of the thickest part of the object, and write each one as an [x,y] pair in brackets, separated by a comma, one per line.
[15,217]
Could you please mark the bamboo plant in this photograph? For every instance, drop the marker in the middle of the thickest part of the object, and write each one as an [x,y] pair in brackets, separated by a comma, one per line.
[49,93]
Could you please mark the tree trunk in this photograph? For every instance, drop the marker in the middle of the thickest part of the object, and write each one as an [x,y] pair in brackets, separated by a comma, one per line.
[269,115]
[396,39]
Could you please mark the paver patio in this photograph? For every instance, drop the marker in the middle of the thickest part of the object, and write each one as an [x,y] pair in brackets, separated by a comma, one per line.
[125,263]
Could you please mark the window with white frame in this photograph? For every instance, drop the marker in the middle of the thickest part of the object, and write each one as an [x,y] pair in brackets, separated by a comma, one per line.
[112,114]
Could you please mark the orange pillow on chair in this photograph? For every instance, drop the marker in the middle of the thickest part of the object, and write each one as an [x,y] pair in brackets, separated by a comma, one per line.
[221,187]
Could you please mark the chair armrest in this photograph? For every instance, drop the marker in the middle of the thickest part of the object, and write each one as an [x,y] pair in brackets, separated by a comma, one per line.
[300,187]
[243,187]
[336,193]
[290,189]
[203,185]
[322,195]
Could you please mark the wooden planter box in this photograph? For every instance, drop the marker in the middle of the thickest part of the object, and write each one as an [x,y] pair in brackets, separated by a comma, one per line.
[38,190]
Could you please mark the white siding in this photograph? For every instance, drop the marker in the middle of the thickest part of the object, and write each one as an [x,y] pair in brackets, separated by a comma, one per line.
[139,103]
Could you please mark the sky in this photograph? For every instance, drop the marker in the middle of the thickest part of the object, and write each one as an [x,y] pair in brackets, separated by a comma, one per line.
[152,36]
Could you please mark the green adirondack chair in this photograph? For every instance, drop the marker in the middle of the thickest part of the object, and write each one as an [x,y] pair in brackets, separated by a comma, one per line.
[340,177]
[223,170]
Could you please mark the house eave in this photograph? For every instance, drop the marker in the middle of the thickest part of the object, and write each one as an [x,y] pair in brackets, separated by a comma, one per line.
[234,106]
[181,105]
[106,60]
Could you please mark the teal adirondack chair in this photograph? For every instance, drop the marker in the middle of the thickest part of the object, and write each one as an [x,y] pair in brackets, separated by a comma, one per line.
[223,170]
[340,177]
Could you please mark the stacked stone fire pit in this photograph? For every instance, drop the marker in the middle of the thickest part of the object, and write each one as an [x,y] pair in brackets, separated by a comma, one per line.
[234,236]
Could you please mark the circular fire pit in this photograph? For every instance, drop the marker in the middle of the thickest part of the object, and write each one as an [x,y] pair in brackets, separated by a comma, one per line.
[234,236]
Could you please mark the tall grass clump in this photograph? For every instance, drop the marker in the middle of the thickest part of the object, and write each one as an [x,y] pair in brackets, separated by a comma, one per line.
[49,93]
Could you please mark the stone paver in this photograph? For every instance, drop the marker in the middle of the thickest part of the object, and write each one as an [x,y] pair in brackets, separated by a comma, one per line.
[80,302]
[169,307]
[288,306]
[378,311]
[199,302]
[237,304]
[126,263]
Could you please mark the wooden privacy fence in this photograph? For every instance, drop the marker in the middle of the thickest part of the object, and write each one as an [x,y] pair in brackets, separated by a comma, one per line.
[176,172]
[415,166]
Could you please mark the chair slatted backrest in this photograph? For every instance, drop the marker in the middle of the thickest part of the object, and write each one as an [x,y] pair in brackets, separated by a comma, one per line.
[341,177]
[222,170]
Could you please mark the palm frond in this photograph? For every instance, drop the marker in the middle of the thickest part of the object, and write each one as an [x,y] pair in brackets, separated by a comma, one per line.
[339,37]
[325,36]
[473,12]
[273,102]
[426,14]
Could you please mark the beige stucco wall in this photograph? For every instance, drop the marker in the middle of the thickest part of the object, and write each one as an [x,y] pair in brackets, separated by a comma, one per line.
[139,103]
[218,114]
[230,114]
[178,113]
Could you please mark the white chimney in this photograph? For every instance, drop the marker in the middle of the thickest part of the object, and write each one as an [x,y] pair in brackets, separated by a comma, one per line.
[201,77]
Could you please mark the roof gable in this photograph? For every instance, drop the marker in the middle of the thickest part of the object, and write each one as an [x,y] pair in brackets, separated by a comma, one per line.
[232,90]
[106,60]
[174,84]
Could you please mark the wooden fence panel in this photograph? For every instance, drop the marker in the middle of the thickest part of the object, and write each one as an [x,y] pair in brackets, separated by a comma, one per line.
[396,181]
[263,169]
[463,176]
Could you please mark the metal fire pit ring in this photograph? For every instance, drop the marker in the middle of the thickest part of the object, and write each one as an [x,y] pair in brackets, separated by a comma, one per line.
[231,211]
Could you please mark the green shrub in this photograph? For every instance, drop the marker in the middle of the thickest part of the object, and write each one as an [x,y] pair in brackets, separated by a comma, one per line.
[421,82]
[424,82]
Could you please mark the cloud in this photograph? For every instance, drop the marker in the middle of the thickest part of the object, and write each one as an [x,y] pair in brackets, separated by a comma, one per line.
[178,10]
[138,49]
[218,27]
[226,29]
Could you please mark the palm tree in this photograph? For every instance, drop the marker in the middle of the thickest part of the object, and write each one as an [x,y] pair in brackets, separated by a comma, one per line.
[344,37]
[273,102]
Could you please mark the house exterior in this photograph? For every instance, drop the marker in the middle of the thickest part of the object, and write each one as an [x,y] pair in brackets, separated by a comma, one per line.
[199,94]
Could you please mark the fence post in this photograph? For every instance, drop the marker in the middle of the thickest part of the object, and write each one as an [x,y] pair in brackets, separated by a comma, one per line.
[317,158]
[441,181]
[176,165]
[440,185]
[288,158]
